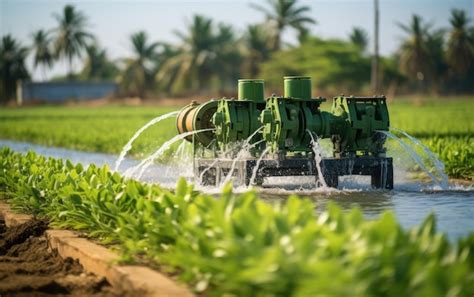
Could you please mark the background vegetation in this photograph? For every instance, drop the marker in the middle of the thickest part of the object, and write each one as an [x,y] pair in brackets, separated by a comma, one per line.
[102,129]
[210,56]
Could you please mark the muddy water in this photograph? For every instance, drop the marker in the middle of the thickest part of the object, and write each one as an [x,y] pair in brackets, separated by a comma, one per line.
[411,200]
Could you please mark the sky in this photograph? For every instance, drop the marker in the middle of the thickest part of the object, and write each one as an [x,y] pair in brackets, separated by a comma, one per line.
[113,21]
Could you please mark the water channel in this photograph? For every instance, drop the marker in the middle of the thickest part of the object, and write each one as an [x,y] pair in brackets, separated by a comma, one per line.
[411,200]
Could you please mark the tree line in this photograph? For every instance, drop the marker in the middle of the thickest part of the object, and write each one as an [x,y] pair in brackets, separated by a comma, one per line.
[210,56]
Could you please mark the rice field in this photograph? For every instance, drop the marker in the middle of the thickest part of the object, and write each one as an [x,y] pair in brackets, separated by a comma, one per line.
[445,126]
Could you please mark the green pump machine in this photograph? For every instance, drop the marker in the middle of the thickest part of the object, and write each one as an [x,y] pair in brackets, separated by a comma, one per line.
[277,134]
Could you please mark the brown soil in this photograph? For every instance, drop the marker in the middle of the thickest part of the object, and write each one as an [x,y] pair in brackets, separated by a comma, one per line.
[29,268]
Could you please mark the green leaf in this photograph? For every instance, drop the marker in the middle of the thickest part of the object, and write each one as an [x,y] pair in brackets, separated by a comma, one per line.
[181,187]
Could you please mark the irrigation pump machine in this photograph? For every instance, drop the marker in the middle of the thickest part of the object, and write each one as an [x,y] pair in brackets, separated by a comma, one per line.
[251,137]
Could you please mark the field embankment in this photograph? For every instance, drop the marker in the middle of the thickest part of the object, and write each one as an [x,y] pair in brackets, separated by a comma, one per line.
[29,268]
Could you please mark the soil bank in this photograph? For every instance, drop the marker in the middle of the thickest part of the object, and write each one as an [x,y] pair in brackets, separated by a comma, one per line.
[29,268]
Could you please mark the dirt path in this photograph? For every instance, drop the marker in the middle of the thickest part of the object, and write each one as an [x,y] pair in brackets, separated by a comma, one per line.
[28,268]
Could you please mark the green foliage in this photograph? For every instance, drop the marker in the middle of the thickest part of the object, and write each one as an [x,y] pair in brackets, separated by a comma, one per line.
[97,65]
[137,77]
[207,52]
[456,152]
[460,53]
[443,116]
[240,245]
[12,66]
[414,53]
[211,57]
[435,63]
[446,127]
[101,129]
[360,38]
[335,66]
[257,42]
[43,53]
[71,36]
[282,14]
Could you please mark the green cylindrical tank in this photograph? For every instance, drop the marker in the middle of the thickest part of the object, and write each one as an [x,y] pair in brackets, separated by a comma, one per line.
[297,87]
[251,89]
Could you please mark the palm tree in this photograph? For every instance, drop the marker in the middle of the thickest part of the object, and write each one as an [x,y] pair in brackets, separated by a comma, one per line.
[192,64]
[414,53]
[72,37]
[97,65]
[138,73]
[359,38]
[435,45]
[43,55]
[257,43]
[303,35]
[228,57]
[460,50]
[283,14]
[374,75]
[12,66]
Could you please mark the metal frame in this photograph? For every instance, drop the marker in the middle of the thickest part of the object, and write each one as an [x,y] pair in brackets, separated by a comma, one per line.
[379,168]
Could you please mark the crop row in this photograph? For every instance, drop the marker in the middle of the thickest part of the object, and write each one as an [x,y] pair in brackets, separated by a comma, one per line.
[104,129]
[456,153]
[239,245]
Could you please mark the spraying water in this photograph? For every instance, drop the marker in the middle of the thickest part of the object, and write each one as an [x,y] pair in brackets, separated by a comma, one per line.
[128,146]
[255,169]
[149,161]
[245,148]
[223,154]
[201,176]
[317,158]
[241,154]
[439,166]
[415,157]
[182,154]
[181,148]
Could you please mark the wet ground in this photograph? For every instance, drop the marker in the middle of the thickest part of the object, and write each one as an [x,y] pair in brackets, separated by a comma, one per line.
[411,200]
[29,268]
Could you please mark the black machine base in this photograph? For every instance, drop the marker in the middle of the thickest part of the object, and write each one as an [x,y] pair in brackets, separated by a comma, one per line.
[212,171]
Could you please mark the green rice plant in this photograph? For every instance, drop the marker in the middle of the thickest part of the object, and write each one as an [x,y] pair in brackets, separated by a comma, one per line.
[433,117]
[456,152]
[237,244]
[101,129]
